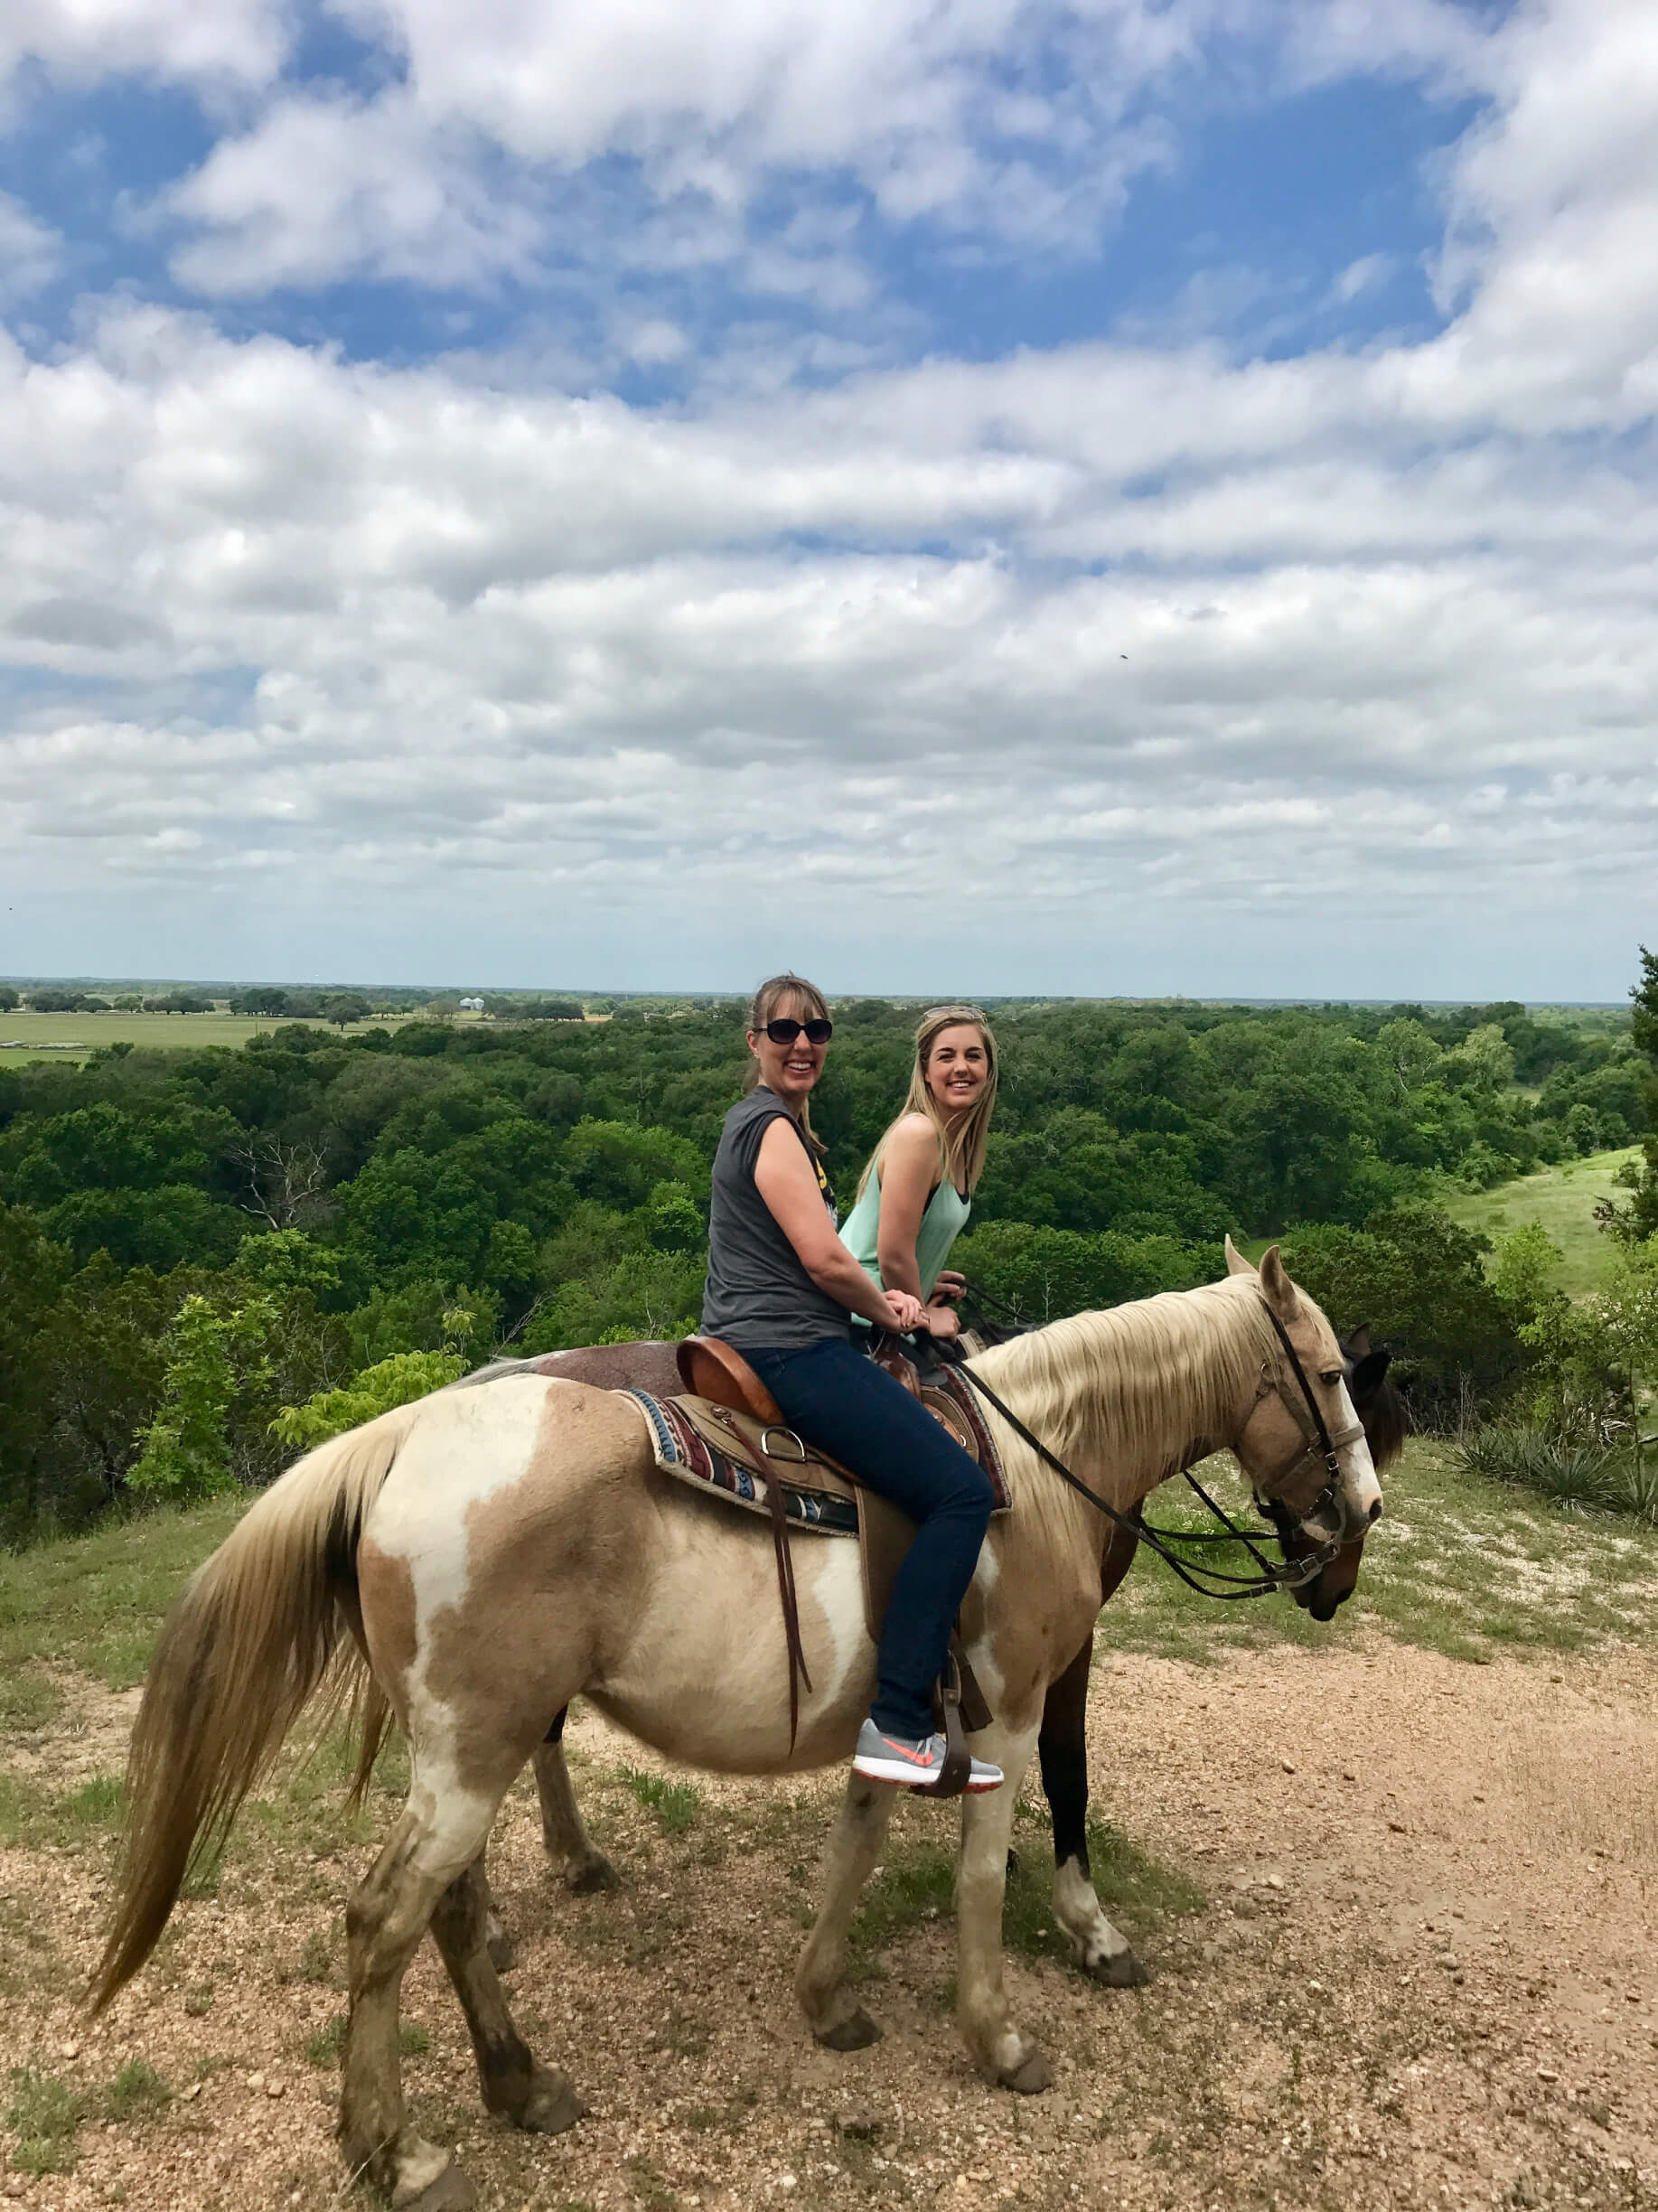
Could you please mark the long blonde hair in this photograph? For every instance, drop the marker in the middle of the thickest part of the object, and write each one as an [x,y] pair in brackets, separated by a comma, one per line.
[761,1007]
[961,1149]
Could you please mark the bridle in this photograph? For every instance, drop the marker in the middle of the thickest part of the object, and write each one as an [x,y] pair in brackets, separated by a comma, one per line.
[1295,1570]
[1317,1442]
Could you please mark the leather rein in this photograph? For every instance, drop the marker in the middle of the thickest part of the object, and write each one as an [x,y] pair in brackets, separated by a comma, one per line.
[1198,1575]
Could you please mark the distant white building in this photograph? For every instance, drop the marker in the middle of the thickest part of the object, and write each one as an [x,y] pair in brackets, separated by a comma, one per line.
[472,1005]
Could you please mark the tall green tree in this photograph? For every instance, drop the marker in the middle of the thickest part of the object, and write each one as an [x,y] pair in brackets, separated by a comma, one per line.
[1638,1220]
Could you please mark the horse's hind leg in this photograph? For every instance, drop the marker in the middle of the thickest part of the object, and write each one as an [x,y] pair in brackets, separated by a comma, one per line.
[1098,1949]
[388,1915]
[428,1876]
[528,2094]
[563,1830]
[836,2018]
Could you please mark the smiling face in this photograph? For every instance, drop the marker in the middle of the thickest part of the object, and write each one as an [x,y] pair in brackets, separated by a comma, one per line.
[788,1071]
[957,1069]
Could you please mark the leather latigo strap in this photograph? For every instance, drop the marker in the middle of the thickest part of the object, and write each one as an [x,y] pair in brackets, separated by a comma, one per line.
[791,1606]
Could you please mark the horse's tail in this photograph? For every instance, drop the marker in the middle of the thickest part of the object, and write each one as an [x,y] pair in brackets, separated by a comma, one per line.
[239,1654]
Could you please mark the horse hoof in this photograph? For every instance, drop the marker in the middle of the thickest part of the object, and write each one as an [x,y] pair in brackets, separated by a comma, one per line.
[1030,2078]
[1121,1970]
[502,1950]
[850,2035]
[551,2106]
[450,2192]
[591,1876]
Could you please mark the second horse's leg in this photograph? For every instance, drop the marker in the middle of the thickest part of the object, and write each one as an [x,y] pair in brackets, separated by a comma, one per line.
[1099,1948]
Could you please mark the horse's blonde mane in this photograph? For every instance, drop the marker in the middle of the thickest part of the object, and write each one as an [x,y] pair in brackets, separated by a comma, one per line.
[1139,1381]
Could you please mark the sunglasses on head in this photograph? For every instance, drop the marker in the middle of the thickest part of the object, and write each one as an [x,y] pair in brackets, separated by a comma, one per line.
[782,1031]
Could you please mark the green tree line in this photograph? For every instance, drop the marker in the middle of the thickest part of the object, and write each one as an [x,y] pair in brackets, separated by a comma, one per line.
[198,1244]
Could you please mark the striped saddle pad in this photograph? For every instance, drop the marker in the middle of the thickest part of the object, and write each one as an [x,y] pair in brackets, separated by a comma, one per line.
[736,1455]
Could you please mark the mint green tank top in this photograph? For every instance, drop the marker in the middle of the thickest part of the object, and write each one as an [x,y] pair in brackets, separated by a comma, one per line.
[941,1225]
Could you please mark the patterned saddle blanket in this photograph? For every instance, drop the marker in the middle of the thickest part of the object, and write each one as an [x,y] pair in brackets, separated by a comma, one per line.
[736,1457]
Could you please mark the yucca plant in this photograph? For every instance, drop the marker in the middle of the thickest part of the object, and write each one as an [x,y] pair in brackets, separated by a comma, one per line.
[1560,1467]
[1636,1485]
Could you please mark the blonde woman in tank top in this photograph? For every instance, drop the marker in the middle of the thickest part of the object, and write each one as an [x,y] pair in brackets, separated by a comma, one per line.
[917,1189]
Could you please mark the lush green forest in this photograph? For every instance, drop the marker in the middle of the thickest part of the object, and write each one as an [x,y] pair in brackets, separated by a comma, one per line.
[197,1246]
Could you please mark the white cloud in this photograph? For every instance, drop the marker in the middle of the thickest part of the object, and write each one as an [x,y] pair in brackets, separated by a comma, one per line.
[1361,276]
[1013,120]
[229,41]
[30,254]
[1553,245]
[581,655]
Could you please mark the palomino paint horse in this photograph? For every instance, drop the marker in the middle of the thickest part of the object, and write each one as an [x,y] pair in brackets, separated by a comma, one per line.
[496,1551]
[1098,1948]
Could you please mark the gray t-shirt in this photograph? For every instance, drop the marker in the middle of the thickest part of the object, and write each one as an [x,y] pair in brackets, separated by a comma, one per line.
[757,1295]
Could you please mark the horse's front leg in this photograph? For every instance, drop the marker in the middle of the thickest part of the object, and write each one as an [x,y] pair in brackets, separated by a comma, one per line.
[836,2018]
[1100,1950]
[1000,2050]
[564,1832]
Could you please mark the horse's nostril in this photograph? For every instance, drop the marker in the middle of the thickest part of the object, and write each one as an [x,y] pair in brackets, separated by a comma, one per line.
[1375,1511]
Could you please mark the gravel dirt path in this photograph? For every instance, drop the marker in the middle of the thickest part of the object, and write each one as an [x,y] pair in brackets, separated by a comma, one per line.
[1425,1973]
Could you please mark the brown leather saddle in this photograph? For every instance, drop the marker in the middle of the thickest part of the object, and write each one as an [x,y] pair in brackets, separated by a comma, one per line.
[728,1435]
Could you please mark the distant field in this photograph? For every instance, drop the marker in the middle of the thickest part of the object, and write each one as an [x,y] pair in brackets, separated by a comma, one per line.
[24,1036]
[1563,1199]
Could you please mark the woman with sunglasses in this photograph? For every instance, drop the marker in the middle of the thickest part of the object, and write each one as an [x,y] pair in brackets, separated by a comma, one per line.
[782,1290]
[917,1190]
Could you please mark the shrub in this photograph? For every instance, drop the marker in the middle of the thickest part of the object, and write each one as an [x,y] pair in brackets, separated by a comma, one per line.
[186,1451]
[1046,1273]
[1418,1282]
[393,1381]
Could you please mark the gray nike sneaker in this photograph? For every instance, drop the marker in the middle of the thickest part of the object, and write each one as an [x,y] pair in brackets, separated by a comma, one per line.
[915,1762]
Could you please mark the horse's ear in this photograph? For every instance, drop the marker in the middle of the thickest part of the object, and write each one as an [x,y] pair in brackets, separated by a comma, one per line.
[1367,1378]
[1356,1345]
[1281,1293]
[1236,1264]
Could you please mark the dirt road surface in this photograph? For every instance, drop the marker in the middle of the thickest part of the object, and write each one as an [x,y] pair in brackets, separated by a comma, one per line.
[1424,1974]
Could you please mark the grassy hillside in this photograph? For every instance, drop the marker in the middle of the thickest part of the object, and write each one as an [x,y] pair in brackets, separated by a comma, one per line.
[1563,1199]
[24,1036]
[71,1036]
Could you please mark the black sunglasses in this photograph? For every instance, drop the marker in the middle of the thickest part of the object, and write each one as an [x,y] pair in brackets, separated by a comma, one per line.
[782,1031]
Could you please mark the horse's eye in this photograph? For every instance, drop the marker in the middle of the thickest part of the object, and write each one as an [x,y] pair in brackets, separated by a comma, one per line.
[1331,1378]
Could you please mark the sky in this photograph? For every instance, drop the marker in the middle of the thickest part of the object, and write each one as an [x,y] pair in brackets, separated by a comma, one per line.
[1113,497]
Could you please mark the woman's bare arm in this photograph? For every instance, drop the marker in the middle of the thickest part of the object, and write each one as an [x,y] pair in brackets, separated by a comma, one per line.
[784,1179]
[909,1170]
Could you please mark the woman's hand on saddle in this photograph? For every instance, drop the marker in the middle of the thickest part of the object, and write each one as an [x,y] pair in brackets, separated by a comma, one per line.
[945,1323]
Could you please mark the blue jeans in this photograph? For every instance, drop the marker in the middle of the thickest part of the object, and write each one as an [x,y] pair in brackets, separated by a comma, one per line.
[836,1397]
